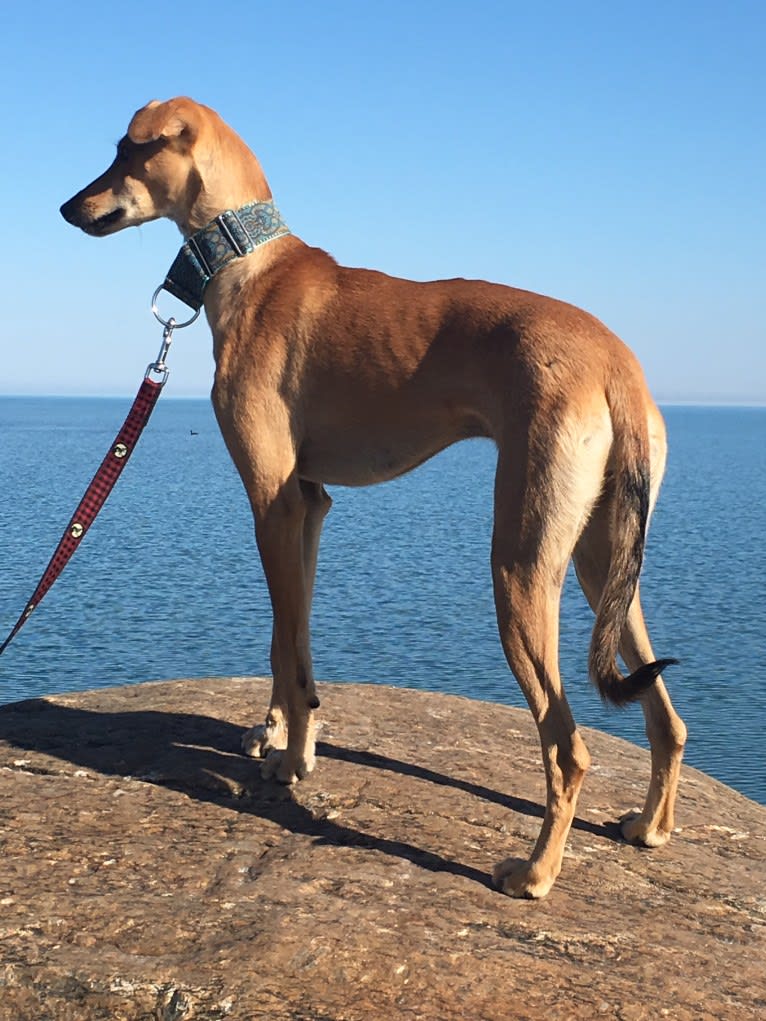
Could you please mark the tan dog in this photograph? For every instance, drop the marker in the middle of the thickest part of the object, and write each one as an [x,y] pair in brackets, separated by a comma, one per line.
[347,376]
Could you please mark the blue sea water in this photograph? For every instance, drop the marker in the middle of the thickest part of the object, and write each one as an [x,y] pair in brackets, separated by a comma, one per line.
[167,583]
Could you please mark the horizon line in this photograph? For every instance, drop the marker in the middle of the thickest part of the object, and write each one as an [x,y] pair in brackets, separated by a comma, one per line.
[671,402]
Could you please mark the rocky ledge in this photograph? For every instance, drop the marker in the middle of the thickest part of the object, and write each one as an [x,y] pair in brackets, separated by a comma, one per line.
[147,872]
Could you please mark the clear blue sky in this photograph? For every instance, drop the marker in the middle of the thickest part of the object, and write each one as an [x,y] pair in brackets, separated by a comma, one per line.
[610,154]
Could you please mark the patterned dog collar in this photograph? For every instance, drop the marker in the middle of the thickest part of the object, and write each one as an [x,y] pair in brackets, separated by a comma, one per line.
[232,234]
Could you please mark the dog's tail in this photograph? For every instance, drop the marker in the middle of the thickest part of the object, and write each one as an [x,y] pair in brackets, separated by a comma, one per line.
[630,499]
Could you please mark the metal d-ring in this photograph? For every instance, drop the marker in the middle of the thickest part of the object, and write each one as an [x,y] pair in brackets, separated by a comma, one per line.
[169,325]
[169,322]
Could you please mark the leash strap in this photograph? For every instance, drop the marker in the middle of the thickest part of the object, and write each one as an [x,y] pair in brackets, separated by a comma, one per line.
[95,495]
[111,468]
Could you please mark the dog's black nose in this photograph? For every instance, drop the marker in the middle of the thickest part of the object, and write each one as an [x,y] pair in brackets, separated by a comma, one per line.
[69,212]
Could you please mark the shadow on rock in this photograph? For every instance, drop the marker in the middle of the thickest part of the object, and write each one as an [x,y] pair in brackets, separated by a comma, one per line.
[199,757]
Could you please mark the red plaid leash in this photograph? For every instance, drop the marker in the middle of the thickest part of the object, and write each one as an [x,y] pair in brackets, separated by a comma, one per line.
[110,470]
[95,495]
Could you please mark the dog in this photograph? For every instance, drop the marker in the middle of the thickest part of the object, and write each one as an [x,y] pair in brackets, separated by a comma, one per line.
[330,375]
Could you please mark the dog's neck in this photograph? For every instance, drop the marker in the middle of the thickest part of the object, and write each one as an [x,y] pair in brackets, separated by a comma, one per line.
[231,235]
[225,174]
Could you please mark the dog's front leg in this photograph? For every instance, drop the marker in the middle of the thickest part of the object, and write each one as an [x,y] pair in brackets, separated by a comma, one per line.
[271,735]
[279,527]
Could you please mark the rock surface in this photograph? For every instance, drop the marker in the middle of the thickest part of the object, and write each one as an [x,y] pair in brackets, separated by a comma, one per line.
[147,872]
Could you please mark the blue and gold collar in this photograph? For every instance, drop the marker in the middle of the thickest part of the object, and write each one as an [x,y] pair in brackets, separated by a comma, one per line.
[232,234]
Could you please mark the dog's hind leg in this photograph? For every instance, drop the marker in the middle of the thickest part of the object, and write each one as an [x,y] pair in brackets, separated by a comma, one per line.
[271,735]
[541,500]
[666,731]
[528,621]
[664,728]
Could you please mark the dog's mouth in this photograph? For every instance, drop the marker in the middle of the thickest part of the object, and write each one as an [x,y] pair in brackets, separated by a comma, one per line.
[76,213]
[103,224]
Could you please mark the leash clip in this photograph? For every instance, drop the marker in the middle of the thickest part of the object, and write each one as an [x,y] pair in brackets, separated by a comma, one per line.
[159,365]
[169,325]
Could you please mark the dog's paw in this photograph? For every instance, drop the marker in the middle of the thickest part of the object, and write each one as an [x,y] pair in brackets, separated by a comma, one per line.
[520,878]
[635,830]
[281,766]
[261,740]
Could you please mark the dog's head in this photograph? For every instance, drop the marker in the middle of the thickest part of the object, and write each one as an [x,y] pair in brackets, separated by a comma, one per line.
[153,174]
[157,172]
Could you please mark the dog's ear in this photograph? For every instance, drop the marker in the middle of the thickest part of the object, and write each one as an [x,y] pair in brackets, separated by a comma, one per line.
[177,118]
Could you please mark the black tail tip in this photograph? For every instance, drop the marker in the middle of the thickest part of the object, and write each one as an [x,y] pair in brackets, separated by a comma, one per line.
[655,669]
[662,663]
[633,687]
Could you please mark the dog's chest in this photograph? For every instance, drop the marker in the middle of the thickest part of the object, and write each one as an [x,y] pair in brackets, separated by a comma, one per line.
[356,459]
